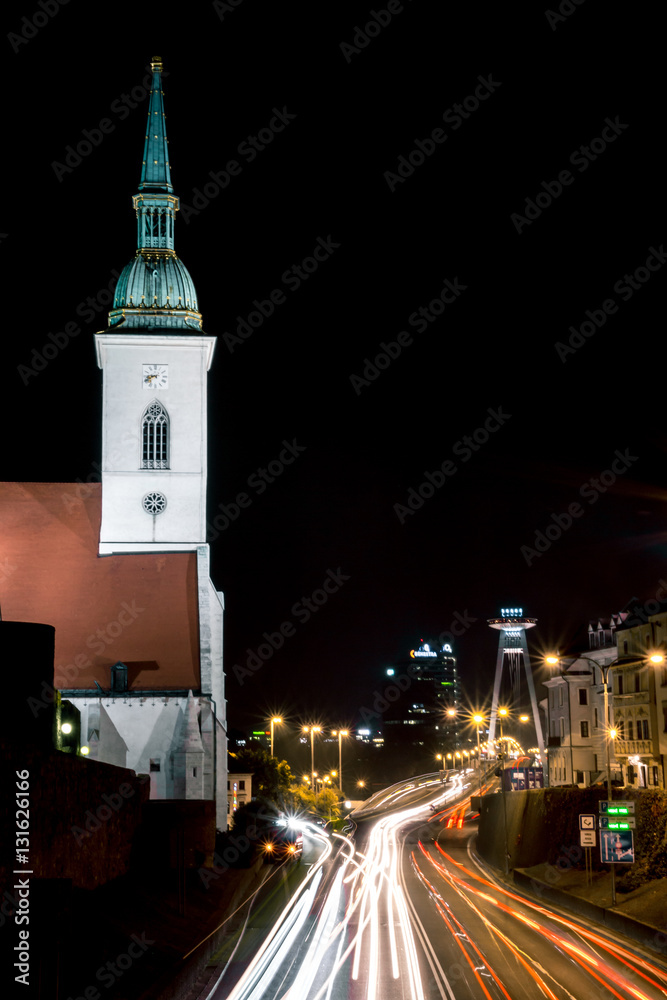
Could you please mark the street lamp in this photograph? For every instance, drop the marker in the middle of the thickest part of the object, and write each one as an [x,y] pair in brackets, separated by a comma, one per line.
[478,720]
[312,730]
[274,720]
[340,734]
[504,713]
[553,661]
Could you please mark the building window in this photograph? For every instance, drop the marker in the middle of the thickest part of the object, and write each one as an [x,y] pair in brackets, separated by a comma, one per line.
[584,728]
[155,437]
[620,683]
[194,772]
[154,503]
[631,774]
[154,764]
[596,723]
[644,729]
[631,730]
[583,696]
[242,786]
[560,696]
[638,682]
[580,777]
[655,775]
[625,647]
[562,727]
[620,729]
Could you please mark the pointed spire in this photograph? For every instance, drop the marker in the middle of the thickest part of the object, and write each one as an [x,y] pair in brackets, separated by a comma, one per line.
[156,205]
[191,737]
[155,172]
[155,289]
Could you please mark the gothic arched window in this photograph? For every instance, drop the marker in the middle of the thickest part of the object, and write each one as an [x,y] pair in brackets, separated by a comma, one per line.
[155,437]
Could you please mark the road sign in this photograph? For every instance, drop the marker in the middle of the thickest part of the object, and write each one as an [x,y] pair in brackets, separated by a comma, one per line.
[587,821]
[587,838]
[617,847]
[619,807]
[617,822]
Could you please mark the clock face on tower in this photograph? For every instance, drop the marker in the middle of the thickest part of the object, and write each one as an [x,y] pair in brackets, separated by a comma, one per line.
[154,376]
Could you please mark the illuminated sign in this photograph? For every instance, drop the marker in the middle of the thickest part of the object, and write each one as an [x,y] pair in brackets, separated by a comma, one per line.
[511,612]
[426,651]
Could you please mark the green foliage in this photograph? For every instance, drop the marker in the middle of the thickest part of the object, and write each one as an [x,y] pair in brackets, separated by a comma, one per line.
[270,778]
[560,809]
[650,838]
[326,803]
[301,799]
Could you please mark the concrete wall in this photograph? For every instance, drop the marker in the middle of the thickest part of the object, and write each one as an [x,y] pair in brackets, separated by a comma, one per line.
[542,824]
[178,833]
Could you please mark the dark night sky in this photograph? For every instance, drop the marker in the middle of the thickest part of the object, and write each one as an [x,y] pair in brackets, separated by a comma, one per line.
[323,177]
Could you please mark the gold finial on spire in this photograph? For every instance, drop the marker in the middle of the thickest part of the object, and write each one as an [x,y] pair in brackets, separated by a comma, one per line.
[156,64]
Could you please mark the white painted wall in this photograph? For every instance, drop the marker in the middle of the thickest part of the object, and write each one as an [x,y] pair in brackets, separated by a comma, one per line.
[126,527]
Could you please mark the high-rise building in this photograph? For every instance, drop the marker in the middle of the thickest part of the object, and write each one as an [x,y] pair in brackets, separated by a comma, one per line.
[424,696]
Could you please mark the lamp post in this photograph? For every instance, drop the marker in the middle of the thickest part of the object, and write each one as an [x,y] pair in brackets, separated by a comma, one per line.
[274,720]
[478,719]
[340,733]
[503,713]
[553,661]
[312,730]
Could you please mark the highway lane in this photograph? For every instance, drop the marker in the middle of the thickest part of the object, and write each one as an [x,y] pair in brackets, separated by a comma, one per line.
[486,940]
[402,912]
[314,944]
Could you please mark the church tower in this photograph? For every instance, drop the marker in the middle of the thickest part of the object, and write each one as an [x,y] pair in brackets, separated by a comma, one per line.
[155,358]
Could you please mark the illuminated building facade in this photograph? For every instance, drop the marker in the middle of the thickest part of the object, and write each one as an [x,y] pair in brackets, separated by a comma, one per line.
[121,568]
[426,693]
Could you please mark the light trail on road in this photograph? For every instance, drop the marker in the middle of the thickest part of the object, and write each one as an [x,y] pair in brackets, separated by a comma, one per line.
[398,917]
[585,958]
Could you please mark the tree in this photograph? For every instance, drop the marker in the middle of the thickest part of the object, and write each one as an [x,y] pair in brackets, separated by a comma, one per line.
[325,803]
[270,778]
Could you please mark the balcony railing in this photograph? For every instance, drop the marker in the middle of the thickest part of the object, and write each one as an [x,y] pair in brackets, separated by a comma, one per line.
[632,698]
[628,748]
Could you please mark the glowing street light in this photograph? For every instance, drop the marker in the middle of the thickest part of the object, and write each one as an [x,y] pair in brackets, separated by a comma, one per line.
[478,720]
[312,730]
[276,719]
[340,733]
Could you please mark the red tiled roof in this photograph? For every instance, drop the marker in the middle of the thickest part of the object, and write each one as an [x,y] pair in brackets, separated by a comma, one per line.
[140,609]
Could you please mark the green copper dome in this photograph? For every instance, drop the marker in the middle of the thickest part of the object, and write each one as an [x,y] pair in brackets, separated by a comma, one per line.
[155,289]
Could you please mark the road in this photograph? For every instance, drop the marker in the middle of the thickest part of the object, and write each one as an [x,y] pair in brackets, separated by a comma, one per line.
[403,912]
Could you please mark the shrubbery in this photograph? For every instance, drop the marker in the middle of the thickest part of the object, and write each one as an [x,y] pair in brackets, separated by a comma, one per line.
[562,807]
